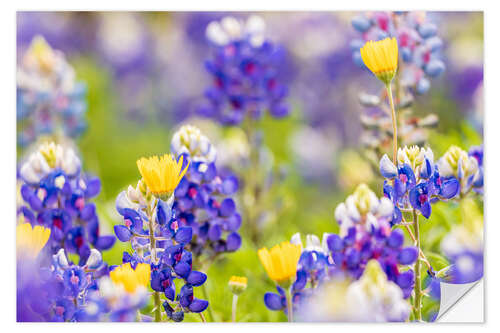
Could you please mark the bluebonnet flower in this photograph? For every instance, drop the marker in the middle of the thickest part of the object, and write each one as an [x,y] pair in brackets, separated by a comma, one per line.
[456,163]
[416,182]
[49,99]
[365,233]
[159,238]
[203,198]
[372,298]
[243,68]
[56,194]
[57,292]
[417,40]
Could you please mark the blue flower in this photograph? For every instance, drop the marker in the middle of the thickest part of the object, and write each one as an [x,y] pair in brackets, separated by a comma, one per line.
[245,80]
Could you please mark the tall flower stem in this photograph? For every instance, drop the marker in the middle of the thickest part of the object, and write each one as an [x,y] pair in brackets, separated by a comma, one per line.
[394,125]
[152,241]
[418,285]
[205,295]
[289,304]
[233,309]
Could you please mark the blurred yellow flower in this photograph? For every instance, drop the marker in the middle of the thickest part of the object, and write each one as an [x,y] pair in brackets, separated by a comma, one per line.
[161,174]
[237,284]
[381,58]
[30,241]
[131,279]
[281,261]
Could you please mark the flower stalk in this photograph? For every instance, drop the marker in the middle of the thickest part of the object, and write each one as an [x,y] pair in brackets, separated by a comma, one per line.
[233,308]
[152,240]
[394,125]
[418,285]
[289,304]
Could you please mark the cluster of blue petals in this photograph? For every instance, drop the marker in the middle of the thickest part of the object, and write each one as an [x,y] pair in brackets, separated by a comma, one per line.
[409,189]
[203,202]
[174,264]
[67,211]
[245,82]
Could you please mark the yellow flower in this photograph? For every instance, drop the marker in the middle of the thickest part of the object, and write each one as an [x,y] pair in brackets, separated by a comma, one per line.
[237,284]
[161,174]
[30,241]
[281,262]
[381,58]
[131,279]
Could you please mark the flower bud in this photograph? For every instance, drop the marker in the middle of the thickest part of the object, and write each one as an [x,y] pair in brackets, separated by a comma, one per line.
[237,284]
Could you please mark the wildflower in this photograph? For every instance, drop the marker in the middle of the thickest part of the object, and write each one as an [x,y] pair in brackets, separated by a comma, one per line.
[237,284]
[203,198]
[30,241]
[418,181]
[50,100]
[161,174]
[457,163]
[365,234]
[56,194]
[371,298]
[244,72]
[281,261]
[129,278]
[381,58]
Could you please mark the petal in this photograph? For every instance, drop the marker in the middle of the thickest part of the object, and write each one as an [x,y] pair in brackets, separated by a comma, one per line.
[387,168]
[273,301]
[450,188]
[184,235]
[405,279]
[233,242]
[122,233]
[196,278]
[396,239]
[426,209]
[198,305]
[408,255]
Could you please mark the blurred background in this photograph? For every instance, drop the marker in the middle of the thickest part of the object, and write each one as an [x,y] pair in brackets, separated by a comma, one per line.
[145,75]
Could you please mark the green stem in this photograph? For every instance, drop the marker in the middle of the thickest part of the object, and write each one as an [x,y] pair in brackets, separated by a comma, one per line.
[394,125]
[289,303]
[233,310]
[205,295]
[418,285]
[157,300]
[152,240]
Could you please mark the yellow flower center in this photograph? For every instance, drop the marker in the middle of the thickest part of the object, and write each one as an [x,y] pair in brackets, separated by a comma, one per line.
[131,279]
[281,261]
[161,174]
